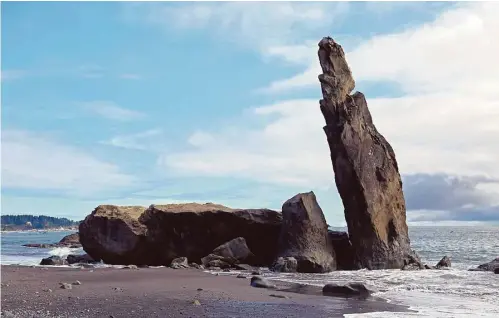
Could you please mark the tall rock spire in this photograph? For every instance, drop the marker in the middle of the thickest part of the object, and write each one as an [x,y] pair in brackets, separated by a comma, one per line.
[365,168]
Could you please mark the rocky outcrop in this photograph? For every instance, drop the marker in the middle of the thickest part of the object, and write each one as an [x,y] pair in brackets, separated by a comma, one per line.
[71,241]
[345,256]
[161,233]
[491,266]
[365,167]
[236,249]
[195,230]
[304,235]
[443,263]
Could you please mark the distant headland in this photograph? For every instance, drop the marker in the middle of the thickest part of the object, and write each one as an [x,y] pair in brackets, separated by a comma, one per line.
[28,222]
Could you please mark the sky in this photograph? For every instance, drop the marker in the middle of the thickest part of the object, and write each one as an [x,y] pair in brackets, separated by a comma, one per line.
[147,103]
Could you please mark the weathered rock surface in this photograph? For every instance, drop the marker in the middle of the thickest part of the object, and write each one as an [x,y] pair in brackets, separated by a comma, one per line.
[443,263]
[71,241]
[304,235]
[216,261]
[348,290]
[285,265]
[195,230]
[115,235]
[365,167]
[345,256]
[53,260]
[491,266]
[161,233]
[236,249]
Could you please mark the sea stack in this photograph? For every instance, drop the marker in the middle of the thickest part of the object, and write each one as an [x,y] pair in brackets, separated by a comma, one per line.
[365,168]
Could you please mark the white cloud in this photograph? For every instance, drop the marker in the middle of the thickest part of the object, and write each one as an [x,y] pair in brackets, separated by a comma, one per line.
[457,52]
[112,111]
[445,123]
[249,24]
[138,141]
[31,161]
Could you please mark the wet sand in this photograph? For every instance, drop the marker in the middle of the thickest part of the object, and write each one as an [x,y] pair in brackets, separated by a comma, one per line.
[159,292]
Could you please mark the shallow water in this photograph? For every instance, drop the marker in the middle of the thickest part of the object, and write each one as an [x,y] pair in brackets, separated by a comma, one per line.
[456,292]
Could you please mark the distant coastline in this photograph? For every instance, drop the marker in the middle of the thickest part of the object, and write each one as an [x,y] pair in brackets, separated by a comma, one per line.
[36,223]
[54,229]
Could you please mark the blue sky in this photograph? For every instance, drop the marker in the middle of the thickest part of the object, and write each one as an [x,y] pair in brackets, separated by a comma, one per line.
[140,103]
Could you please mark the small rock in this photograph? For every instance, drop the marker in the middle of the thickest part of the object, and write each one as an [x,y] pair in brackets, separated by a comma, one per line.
[48,290]
[66,286]
[278,296]
[179,262]
[348,290]
[77,283]
[257,273]
[131,267]
[241,276]
[260,282]
[196,302]
[118,289]
[227,270]
[199,289]
[496,271]
[444,262]
[53,260]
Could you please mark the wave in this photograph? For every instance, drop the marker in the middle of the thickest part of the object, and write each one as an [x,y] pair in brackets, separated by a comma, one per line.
[63,252]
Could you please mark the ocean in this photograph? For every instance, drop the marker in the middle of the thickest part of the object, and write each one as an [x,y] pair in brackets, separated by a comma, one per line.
[456,292]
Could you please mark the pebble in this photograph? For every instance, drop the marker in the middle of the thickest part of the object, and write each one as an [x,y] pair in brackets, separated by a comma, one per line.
[196,302]
[241,276]
[77,283]
[278,296]
[66,286]
[200,289]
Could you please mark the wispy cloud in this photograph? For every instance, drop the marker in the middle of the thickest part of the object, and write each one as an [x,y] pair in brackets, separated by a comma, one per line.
[111,110]
[445,122]
[31,161]
[248,24]
[139,141]
[7,75]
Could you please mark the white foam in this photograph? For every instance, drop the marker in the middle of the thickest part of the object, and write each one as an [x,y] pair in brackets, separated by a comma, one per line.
[63,252]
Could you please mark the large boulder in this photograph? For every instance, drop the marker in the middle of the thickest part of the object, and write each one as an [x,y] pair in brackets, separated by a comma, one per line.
[365,167]
[82,259]
[343,250]
[347,291]
[304,235]
[161,233]
[115,235]
[236,249]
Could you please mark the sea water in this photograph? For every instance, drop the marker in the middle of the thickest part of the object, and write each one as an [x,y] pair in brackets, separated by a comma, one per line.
[455,292]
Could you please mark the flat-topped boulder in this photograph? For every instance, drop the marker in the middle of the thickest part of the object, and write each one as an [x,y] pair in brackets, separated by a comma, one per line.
[365,168]
[194,230]
[159,234]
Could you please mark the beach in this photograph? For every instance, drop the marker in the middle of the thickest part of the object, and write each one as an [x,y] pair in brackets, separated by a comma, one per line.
[159,292]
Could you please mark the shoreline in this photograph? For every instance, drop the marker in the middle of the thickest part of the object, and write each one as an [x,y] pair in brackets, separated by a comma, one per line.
[40,230]
[162,292]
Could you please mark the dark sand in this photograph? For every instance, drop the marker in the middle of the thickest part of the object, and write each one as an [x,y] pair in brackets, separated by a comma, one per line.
[159,292]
